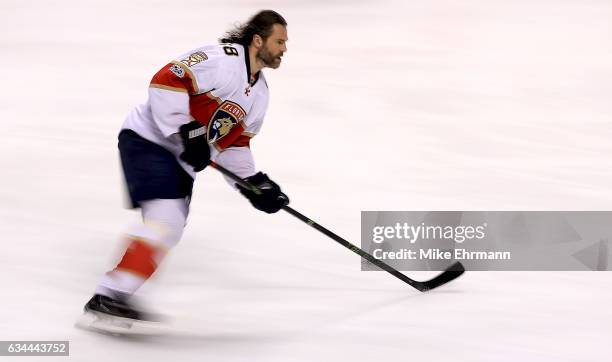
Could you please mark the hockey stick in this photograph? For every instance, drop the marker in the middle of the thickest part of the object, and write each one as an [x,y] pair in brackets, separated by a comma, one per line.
[451,273]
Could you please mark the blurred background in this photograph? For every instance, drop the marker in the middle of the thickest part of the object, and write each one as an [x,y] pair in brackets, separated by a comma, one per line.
[386,105]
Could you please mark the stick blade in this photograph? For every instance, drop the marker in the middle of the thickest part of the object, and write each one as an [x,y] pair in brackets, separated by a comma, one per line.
[453,272]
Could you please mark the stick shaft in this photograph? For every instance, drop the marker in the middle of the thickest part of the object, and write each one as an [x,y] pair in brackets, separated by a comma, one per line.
[382,265]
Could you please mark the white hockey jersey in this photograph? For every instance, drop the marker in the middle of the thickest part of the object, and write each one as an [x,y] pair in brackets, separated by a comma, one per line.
[212,85]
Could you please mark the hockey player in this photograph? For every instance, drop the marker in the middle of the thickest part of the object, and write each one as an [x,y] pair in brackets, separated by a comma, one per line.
[206,104]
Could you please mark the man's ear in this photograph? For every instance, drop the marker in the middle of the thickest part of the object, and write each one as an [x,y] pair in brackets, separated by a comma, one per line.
[257,41]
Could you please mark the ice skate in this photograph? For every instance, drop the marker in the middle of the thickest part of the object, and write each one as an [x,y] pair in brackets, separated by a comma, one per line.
[118,316]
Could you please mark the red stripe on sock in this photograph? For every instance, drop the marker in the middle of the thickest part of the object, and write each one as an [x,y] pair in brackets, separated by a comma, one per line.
[139,258]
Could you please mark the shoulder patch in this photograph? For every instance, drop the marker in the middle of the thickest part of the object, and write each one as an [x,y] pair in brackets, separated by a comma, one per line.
[194,59]
[177,70]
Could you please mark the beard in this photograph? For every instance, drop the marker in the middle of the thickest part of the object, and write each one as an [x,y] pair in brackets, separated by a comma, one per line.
[268,59]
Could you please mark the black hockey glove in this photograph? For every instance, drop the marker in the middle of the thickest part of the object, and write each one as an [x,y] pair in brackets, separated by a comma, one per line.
[271,198]
[197,152]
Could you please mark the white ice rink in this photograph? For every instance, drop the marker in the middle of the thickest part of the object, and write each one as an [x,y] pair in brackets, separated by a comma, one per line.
[387,105]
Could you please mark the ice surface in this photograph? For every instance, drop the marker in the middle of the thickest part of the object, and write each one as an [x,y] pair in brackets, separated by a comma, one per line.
[387,105]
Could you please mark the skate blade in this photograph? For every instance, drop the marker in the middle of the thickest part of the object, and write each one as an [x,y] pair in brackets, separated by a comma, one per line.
[103,323]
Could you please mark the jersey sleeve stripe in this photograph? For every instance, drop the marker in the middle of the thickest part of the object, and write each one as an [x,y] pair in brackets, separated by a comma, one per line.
[242,141]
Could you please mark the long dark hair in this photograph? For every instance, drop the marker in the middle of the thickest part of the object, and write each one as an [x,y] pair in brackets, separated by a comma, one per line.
[260,24]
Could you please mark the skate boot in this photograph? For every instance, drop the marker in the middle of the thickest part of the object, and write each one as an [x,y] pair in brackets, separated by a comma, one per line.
[117,316]
[118,307]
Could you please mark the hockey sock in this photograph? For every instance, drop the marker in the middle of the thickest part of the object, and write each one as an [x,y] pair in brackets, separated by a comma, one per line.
[138,263]
[162,228]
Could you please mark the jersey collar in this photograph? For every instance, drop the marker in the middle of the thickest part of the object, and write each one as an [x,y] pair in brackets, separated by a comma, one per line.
[247,61]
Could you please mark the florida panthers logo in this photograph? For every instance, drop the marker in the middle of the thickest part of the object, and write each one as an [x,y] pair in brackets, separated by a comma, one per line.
[227,115]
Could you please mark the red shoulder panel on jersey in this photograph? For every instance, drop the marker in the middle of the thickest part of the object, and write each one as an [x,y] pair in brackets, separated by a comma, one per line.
[174,77]
[202,107]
